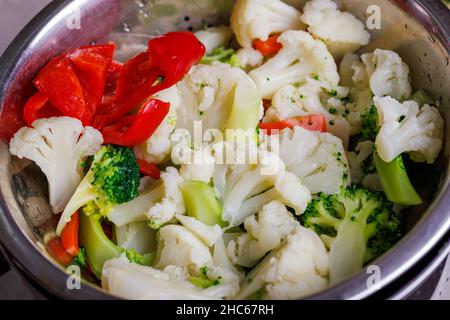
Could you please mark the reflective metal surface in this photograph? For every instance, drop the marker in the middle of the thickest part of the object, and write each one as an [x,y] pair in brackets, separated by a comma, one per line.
[417,30]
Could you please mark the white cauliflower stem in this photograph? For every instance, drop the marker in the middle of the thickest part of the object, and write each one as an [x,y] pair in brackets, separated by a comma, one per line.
[258,19]
[265,231]
[214,37]
[297,269]
[405,127]
[300,57]
[318,159]
[58,146]
[341,31]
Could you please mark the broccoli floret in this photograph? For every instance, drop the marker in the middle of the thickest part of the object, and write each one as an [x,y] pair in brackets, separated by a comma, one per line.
[80,259]
[224,55]
[112,179]
[357,225]
[370,126]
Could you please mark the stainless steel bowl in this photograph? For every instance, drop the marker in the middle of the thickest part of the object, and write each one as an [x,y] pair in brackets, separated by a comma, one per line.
[417,30]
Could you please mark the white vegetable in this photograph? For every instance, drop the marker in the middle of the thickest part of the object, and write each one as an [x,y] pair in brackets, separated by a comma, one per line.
[157,148]
[244,183]
[312,97]
[180,247]
[362,151]
[138,236]
[389,75]
[158,205]
[405,127]
[135,282]
[318,159]
[57,146]
[249,58]
[297,269]
[209,235]
[214,37]
[341,31]
[265,231]
[300,57]
[258,19]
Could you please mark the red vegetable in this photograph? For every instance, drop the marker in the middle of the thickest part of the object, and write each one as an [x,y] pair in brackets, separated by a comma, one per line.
[316,122]
[149,169]
[168,59]
[57,251]
[38,107]
[268,47]
[133,130]
[69,236]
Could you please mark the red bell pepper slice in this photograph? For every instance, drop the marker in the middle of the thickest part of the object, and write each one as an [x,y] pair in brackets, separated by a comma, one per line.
[59,82]
[91,64]
[134,130]
[112,78]
[316,122]
[268,47]
[38,107]
[168,59]
[69,236]
[149,169]
[57,251]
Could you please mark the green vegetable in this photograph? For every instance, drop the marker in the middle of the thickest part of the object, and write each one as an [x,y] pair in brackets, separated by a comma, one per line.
[224,55]
[201,202]
[422,98]
[395,181]
[80,259]
[369,121]
[203,281]
[136,257]
[98,247]
[357,225]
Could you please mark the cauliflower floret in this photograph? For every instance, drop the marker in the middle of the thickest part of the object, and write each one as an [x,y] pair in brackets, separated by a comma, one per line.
[180,247]
[312,97]
[208,234]
[243,186]
[214,37]
[258,19]
[318,159]
[356,159]
[136,235]
[133,281]
[157,205]
[265,231]
[216,95]
[389,75]
[249,58]
[157,148]
[405,127]
[300,57]
[297,269]
[341,31]
[58,146]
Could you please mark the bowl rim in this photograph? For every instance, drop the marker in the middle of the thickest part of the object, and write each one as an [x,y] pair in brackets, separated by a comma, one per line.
[24,256]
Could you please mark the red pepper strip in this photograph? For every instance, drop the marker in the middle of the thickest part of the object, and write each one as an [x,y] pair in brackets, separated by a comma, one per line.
[112,78]
[91,65]
[57,251]
[38,107]
[315,122]
[268,47]
[149,169]
[59,82]
[69,236]
[134,130]
[168,59]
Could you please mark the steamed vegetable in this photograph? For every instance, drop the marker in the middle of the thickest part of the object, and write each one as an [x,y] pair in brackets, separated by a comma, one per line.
[341,31]
[112,179]
[215,37]
[357,225]
[58,146]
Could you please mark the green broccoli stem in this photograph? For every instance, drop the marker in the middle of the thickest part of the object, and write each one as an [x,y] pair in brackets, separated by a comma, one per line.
[98,247]
[201,202]
[395,181]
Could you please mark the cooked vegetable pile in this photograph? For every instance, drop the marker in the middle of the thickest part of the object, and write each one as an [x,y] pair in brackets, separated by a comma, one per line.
[155,210]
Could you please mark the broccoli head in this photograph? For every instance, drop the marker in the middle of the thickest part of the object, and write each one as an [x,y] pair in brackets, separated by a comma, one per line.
[369,120]
[112,179]
[357,226]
